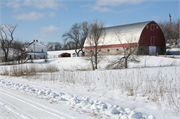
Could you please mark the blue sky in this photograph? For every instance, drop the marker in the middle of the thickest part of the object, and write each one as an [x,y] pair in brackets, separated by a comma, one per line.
[47,20]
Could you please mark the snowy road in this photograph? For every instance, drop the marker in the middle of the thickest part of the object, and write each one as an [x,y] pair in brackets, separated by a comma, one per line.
[18,107]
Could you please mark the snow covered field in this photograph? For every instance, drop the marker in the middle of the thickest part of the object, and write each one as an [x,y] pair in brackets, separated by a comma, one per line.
[147,90]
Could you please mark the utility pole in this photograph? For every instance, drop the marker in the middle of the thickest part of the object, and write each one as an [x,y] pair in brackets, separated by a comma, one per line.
[0,51]
[170,18]
[34,49]
[170,26]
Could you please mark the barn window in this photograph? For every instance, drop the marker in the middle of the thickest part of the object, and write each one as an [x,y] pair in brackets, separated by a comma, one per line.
[147,26]
[117,49]
[108,50]
[153,27]
[156,27]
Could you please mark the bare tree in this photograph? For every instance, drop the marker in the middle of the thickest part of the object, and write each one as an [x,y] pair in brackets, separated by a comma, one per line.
[19,53]
[6,32]
[77,34]
[171,31]
[128,50]
[57,46]
[50,46]
[95,42]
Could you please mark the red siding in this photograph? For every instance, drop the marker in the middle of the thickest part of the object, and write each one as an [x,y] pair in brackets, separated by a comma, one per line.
[112,46]
[150,37]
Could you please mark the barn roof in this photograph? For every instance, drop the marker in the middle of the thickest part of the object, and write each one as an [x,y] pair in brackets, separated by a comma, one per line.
[129,33]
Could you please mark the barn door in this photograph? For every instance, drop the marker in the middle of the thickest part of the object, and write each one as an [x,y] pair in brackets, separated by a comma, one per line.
[152,50]
[152,40]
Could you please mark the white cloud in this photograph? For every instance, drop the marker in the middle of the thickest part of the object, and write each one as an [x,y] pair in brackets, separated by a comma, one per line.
[47,31]
[98,8]
[40,4]
[52,14]
[15,4]
[99,4]
[116,2]
[32,16]
[41,35]
[50,29]
[102,9]
[43,4]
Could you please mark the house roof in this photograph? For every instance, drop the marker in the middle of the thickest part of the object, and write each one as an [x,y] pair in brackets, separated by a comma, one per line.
[36,53]
[36,44]
[129,33]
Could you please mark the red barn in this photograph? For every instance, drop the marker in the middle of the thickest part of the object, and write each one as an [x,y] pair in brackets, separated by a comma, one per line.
[64,55]
[147,36]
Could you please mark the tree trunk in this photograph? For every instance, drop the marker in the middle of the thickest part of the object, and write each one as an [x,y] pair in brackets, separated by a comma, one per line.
[96,58]
[6,57]
[126,62]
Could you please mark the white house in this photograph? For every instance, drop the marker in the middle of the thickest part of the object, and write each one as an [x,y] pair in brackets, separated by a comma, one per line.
[35,50]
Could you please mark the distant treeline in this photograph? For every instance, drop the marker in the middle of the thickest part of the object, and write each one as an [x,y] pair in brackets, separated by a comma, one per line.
[52,46]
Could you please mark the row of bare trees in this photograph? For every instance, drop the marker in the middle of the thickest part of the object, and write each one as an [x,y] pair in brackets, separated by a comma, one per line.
[6,32]
[11,49]
[67,45]
[171,31]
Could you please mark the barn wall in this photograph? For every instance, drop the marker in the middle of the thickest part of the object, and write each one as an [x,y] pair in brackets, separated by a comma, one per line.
[110,51]
[144,50]
[152,35]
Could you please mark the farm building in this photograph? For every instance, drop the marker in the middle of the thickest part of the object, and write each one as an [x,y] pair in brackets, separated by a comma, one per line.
[58,54]
[35,50]
[147,37]
[64,55]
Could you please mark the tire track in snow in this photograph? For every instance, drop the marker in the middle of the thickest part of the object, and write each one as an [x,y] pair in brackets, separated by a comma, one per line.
[37,106]
[12,112]
[7,114]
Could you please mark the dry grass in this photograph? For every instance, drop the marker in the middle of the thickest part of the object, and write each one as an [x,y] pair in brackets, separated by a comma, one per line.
[5,73]
[29,70]
[160,88]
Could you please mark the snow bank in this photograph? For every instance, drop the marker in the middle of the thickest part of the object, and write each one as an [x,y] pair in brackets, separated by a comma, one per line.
[84,103]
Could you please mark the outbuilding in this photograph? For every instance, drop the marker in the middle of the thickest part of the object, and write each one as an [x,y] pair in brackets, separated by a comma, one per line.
[147,36]
[64,55]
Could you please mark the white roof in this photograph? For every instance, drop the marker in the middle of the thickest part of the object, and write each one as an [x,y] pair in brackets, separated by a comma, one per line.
[129,33]
[37,53]
[37,45]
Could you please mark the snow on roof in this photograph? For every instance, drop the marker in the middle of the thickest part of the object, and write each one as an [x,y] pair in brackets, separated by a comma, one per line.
[128,31]
[37,45]
[31,53]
